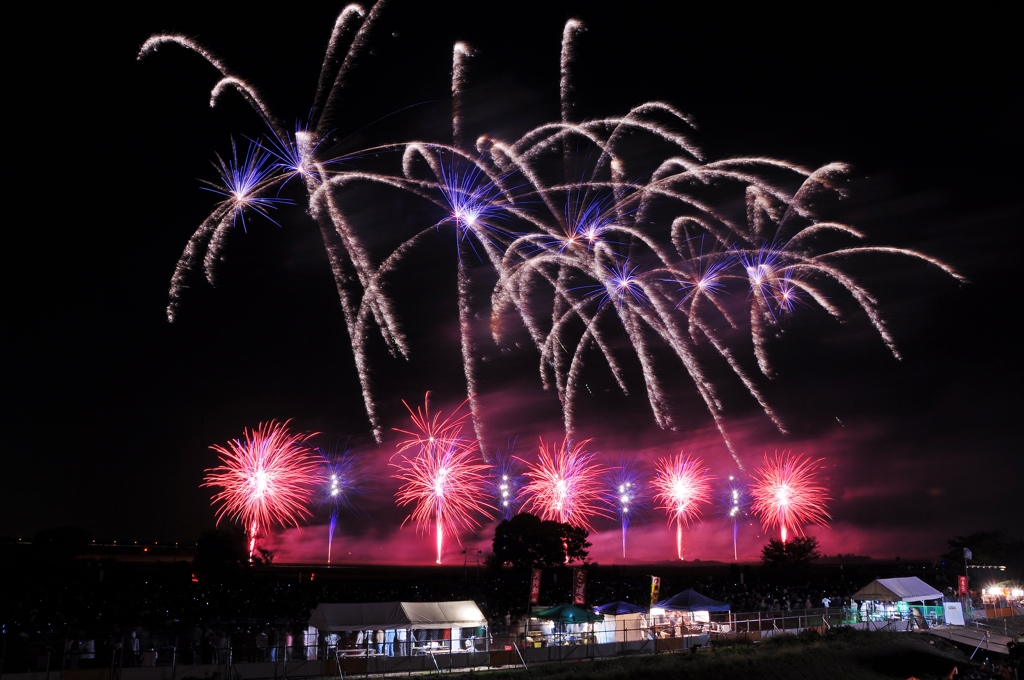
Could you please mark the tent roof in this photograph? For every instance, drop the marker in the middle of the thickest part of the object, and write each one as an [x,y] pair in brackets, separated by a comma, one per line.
[567,613]
[906,589]
[387,615]
[616,608]
[692,601]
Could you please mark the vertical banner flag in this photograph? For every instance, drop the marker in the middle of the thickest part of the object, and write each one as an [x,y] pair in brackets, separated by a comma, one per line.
[579,586]
[535,586]
[655,589]
[963,584]
[968,555]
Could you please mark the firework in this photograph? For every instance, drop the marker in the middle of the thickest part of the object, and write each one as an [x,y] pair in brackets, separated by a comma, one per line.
[252,186]
[787,494]
[505,481]
[734,506]
[442,476]
[565,484]
[264,479]
[682,485]
[628,487]
[593,260]
[340,480]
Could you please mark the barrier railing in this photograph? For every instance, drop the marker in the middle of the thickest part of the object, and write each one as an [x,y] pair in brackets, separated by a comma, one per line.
[243,657]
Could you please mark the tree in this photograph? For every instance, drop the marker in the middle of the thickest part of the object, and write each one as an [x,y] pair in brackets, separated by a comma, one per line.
[221,552]
[527,541]
[987,548]
[799,552]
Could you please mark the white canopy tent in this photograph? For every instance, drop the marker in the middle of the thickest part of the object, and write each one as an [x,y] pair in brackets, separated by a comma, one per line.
[905,589]
[340,617]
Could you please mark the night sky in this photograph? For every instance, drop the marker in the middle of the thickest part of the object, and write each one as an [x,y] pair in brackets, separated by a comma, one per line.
[111,409]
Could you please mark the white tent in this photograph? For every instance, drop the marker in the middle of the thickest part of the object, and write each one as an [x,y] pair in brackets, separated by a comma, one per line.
[906,589]
[621,628]
[396,615]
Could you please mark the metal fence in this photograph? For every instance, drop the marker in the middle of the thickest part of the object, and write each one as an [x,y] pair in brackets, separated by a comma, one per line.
[245,657]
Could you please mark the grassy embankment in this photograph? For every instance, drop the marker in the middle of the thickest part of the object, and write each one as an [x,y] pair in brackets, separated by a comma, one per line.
[843,655]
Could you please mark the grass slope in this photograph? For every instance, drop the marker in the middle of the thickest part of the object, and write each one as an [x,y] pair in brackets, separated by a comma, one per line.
[845,655]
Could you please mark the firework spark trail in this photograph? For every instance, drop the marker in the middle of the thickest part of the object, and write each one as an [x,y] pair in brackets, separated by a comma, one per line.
[342,24]
[683,485]
[627,484]
[442,476]
[460,53]
[474,202]
[786,494]
[506,480]
[340,479]
[734,506]
[595,231]
[565,484]
[355,48]
[345,247]
[264,479]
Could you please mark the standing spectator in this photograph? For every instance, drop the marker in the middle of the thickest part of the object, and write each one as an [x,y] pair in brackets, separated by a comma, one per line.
[261,645]
[88,652]
[332,644]
[223,647]
[132,649]
[289,640]
[195,640]
[207,651]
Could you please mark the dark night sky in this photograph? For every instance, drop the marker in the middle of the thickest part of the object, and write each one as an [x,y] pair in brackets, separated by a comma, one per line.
[111,409]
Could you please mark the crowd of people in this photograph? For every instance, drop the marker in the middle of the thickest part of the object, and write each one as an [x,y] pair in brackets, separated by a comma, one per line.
[97,614]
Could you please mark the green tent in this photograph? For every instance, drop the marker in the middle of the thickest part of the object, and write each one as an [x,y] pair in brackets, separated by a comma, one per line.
[567,613]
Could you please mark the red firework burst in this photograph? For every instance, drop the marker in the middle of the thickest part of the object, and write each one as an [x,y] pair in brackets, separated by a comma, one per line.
[265,478]
[565,484]
[443,476]
[786,494]
[683,485]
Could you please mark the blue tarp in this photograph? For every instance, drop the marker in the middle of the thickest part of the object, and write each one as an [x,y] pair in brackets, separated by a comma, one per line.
[692,601]
[617,608]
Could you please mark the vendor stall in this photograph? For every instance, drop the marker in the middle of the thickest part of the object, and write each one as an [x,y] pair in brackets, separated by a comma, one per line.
[685,613]
[402,628]
[886,599]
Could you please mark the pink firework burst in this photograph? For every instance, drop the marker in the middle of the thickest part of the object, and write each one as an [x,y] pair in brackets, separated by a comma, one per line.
[264,478]
[786,493]
[443,476]
[683,485]
[565,484]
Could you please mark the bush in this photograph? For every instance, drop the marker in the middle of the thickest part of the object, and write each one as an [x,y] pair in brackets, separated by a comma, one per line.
[810,635]
[782,640]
